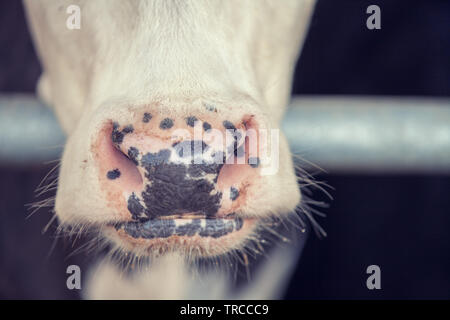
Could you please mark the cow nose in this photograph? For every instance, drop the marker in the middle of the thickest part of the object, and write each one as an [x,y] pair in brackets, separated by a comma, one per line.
[165,167]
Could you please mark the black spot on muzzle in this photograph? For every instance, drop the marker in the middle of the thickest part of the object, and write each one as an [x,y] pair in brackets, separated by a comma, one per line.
[165,124]
[113,174]
[147,117]
[118,135]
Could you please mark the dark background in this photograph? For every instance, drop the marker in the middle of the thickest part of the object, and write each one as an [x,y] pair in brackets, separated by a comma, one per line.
[399,222]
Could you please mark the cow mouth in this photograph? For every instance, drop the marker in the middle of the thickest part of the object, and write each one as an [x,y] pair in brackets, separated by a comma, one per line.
[198,235]
[183,227]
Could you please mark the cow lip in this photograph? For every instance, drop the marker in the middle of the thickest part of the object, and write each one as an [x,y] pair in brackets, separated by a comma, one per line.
[215,240]
[183,226]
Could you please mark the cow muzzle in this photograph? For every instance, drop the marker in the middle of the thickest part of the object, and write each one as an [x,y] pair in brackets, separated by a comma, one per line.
[178,179]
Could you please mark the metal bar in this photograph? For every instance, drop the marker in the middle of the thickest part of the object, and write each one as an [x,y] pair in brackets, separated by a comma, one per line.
[339,134]
[371,135]
[30,134]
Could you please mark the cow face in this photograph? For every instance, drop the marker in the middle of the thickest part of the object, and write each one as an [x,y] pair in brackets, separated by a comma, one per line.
[172,111]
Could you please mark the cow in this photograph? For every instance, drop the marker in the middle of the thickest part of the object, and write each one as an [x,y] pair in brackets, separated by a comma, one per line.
[165,105]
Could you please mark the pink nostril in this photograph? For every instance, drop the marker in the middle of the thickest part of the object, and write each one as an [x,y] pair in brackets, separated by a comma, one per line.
[233,181]
[115,165]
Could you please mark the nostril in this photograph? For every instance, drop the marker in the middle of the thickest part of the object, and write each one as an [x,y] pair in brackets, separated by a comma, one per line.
[124,167]
[117,137]
[117,167]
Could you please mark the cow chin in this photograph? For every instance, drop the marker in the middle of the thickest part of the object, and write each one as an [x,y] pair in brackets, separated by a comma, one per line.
[99,189]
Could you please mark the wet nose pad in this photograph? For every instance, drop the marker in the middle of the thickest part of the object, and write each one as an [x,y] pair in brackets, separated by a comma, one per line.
[159,177]
[176,183]
[177,178]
